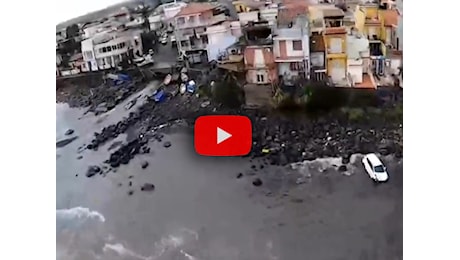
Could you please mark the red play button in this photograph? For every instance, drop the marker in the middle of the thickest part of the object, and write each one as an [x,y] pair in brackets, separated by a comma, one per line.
[223,135]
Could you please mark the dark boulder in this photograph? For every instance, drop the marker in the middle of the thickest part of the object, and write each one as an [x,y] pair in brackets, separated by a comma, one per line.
[144,164]
[239,175]
[69,132]
[93,170]
[148,187]
[257,182]
[167,144]
[342,168]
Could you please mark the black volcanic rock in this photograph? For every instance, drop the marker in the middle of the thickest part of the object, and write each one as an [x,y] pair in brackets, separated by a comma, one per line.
[148,187]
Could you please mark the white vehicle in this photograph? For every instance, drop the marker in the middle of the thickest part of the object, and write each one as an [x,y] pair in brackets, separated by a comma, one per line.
[375,168]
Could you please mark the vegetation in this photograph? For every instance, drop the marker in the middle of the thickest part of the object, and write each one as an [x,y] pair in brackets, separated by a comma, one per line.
[226,92]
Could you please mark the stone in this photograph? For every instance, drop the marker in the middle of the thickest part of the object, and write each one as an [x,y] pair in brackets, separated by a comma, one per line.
[130,192]
[342,168]
[148,187]
[80,157]
[93,170]
[144,164]
[69,132]
[130,183]
[257,182]
[239,175]
[167,144]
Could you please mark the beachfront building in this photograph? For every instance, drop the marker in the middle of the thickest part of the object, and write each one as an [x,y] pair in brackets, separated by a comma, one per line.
[191,30]
[291,44]
[106,50]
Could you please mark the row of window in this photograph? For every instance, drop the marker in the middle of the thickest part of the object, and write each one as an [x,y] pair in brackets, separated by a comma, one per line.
[112,48]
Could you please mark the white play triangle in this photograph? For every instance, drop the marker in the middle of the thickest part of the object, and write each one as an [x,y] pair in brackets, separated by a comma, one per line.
[222,135]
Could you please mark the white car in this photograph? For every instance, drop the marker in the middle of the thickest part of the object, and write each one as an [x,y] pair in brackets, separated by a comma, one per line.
[375,168]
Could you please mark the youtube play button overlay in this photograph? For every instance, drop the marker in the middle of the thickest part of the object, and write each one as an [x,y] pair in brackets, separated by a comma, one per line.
[222,135]
[226,135]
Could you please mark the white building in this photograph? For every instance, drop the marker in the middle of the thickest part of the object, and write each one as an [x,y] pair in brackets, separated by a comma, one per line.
[220,37]
[358,57]
[105,50]
[291,48]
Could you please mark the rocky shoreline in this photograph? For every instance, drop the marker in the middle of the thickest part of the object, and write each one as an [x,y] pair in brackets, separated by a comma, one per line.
[278,138]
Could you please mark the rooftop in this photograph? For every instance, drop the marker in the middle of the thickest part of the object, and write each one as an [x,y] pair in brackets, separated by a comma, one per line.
[390,17]
[333,12]
[335,30]
[289,13]
[195,8]
[367,82]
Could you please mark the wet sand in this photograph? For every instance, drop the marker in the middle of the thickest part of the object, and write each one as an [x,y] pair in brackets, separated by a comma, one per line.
[200,210]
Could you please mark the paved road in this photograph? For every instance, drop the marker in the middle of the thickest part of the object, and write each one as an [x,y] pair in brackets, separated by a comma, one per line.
[200,210]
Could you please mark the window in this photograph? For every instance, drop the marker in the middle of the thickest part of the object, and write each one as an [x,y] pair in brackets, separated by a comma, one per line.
[379,168]
[180,20]
[260,78]
[191,19]
[109,48]
[89,55]
[297,45]
[114,47]
[104,49]
[336,45]
[205,39]
[116,59]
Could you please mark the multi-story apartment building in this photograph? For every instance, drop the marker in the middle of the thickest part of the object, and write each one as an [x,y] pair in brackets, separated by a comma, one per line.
[259,60]
[291,45]
[191,25]
[106,49]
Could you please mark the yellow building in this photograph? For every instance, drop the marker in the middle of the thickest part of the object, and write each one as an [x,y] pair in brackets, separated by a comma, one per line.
[244,6]
[370,22]
[335,41]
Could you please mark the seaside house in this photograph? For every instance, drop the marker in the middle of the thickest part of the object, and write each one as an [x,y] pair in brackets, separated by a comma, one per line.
[258,54]
[358,61]
[335,40]
[191,30]
[106,49]
[370,22]
[259,62]
[399,30]
[317,58]
[291,44]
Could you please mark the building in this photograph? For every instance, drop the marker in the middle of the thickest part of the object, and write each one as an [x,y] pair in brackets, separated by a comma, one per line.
[358,61]
[220,37]
[399,31]
[291,44]
[191,25]
[335,40]
[107,49]
[244,6]
[370,22]
[259,60]
[317,58]
[390,23]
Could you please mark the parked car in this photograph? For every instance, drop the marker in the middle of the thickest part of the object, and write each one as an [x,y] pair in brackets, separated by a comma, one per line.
[375,168]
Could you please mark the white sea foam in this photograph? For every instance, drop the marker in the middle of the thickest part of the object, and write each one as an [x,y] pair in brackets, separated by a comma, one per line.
[79,212]
[122,251]
[164,245]
[322,164]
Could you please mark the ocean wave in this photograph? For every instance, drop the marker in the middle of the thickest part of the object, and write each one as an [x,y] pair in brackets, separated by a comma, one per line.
[80,213]
[165,245]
